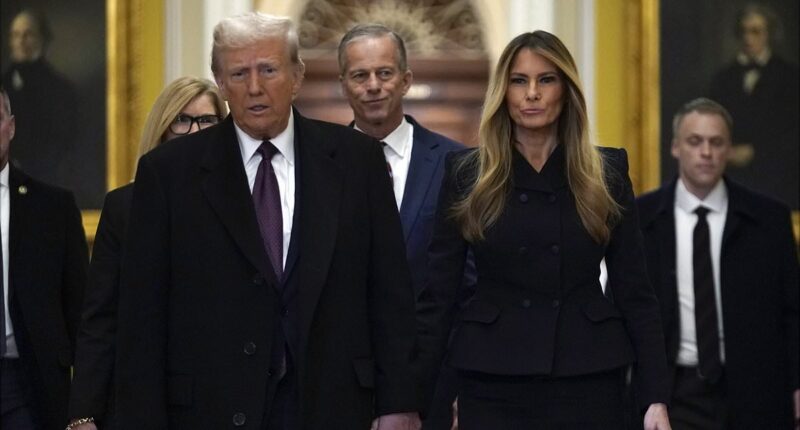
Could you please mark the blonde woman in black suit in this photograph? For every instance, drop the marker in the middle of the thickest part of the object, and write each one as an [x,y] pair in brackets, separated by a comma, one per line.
[540,345]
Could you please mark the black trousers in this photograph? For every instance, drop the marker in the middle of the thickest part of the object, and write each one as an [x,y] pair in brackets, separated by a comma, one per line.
[586,402]
[697,404]
[16,397]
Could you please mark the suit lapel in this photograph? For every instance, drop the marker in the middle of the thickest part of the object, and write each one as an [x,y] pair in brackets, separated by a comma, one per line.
[20,209]
[321,182]
[740,211]
[425,157]
[228,193]
[664,225]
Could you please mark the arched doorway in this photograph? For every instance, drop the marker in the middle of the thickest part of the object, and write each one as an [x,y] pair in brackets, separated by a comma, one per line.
[446,55]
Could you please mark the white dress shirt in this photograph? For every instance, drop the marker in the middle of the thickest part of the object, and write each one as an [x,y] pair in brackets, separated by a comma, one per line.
[5,212]
[284,165]
[685,221]
[398,154]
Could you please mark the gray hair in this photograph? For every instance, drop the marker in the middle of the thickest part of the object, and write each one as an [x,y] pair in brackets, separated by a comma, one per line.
[246,29]
[6,100]
[372,31]
[704,106]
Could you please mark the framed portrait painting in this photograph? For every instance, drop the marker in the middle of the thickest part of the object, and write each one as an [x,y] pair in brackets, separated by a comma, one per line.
[744,55]
[54,71]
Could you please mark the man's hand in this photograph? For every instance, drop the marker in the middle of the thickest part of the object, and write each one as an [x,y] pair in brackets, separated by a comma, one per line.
[656,417]
[796,402]
[87,426]
[401,421]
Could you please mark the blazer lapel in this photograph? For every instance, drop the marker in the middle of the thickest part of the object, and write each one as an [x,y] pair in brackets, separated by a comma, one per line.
[228,193]
[321,182]
[425,157]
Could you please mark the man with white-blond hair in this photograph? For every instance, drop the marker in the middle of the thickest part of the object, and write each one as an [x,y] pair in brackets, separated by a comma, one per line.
[264,284]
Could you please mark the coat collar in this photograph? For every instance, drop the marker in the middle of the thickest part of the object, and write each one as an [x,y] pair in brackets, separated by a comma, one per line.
[321,180]
[553,175]
[225,186]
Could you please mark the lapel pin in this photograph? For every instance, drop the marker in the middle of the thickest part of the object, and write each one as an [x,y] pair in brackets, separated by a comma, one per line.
[22,190]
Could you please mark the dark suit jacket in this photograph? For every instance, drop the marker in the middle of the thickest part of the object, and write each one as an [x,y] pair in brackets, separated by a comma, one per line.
[198,297]
[758,271]
[539,308]
[421,194]
[91,392]
[48,258]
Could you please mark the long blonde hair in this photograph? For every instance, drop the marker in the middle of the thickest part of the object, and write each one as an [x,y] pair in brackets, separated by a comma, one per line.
[169,104]
[485,201]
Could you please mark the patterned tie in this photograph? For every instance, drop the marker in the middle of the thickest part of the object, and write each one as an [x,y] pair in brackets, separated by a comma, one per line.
[267,200]
[705,305]
[388,166]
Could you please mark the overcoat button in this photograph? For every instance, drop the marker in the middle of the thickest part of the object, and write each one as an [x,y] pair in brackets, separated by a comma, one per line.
[526,303]
[523,198]
[250,348]
[239,419]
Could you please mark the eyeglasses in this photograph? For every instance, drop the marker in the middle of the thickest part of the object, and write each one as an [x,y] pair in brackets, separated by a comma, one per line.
[183,123]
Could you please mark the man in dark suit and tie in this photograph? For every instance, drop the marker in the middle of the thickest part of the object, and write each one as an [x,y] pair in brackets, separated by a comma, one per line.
[44,262]
[724,265]
[375,76]
[264,284]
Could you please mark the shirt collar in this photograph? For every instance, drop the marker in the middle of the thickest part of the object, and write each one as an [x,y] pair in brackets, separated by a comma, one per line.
[716,200]
[398,139]
[761,59]
[4,174]
[284,141]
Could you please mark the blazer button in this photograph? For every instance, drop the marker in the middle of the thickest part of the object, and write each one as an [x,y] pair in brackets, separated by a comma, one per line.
[523,198]
[239,419]
[522,249]
[250,348]
[285,311]
[551,198]
[526,303]
[556,304]
[555,249]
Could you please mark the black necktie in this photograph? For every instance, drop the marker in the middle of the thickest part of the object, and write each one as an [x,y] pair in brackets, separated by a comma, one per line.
[705,305]
[267,200]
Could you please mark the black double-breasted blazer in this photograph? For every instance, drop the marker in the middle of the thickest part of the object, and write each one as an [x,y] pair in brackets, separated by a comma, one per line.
[539,308]
[199,300]
[759,295]
[47,262]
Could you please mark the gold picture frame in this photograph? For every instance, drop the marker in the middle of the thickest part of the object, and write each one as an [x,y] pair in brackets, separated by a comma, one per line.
[135,74]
